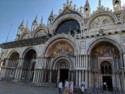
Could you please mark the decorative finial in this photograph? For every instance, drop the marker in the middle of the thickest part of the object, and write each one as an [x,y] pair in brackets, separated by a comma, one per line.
[99,4]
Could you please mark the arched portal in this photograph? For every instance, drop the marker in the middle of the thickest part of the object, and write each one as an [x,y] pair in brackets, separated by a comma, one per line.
[62,66]
[12,65]
[104,58]
[106,71]
[29,65]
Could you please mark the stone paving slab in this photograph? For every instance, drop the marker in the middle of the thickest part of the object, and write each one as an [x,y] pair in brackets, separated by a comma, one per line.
[7,87]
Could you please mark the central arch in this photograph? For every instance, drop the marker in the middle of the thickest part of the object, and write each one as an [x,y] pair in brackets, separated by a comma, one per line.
[63,70]
[61,66]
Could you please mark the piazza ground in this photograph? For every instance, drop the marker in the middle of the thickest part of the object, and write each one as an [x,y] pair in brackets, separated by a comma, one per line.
[7,87]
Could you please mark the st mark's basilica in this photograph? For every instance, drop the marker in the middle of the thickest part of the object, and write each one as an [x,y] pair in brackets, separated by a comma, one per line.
[77,45]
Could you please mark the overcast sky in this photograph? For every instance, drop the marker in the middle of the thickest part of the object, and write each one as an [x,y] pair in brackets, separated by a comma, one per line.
[14,11]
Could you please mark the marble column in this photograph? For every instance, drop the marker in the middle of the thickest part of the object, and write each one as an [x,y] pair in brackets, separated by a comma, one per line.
[90,80]
[4,69]
[76,78]
[50,76]
[19,69]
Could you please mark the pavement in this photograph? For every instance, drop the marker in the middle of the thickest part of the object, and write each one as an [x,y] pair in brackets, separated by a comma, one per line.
[7,87]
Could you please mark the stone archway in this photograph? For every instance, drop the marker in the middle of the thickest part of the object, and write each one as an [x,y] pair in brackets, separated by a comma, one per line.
[12,64]
[102,52]
[63,70]
[28,65]
[60,65]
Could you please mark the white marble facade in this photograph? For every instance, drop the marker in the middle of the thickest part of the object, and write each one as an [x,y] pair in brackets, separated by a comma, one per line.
[94,55]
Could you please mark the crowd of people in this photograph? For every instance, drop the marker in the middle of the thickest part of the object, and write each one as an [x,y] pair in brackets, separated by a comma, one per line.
[68,87]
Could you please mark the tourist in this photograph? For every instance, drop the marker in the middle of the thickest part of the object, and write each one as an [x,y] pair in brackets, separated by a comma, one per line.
[83,88]
[66,87]
[60,86]
[71,88]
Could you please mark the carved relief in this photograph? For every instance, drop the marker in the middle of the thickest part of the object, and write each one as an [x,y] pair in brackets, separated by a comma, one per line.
[60,47]
[101,20]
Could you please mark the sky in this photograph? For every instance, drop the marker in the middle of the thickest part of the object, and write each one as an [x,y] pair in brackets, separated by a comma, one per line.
[12,12]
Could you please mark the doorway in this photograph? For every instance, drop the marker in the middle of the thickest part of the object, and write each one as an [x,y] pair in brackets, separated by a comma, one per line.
[107,83]
[64,75]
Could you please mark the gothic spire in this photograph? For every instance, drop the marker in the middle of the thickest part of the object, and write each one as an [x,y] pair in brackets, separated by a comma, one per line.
[41,20]
[87,3]
[35,23]
[27,25]
[87,9]
[35,20]
[51,15]
[21,28]
[99,3]
[22,23]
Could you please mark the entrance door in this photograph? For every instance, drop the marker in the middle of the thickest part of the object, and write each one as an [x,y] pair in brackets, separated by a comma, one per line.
[107,83]
[63,75]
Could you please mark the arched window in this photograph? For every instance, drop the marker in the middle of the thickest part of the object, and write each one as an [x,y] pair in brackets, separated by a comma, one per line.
[68,26]
[106,68]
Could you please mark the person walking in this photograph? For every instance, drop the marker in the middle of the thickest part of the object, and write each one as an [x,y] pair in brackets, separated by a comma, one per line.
[66,87]
[60,86]
[83,88]
[71,88]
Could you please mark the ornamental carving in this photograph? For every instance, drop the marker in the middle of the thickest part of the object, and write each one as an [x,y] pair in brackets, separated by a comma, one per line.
[60,47]
[101,21]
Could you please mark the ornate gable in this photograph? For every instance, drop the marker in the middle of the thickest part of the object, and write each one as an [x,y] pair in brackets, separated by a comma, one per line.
[101,21]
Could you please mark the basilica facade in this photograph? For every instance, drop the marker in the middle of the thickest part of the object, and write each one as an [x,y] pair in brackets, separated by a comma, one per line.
[77,45]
